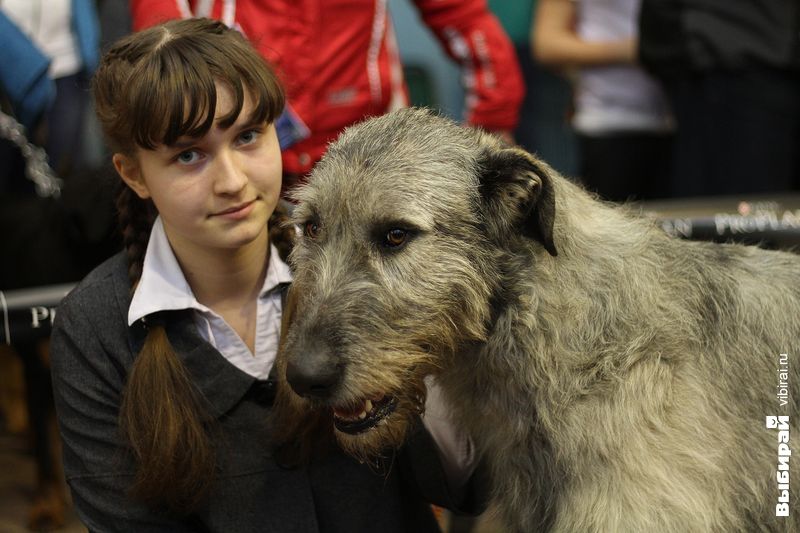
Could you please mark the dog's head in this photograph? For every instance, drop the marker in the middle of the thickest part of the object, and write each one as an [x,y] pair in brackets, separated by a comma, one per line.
[403,225]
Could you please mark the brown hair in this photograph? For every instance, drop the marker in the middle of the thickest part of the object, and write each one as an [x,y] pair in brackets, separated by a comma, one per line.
[152,88]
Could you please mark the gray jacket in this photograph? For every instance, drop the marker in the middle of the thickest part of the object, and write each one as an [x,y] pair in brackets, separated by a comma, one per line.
[92,352]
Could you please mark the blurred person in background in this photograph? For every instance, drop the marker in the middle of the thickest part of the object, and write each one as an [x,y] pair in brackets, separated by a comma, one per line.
[544,126]
[66,33]
[732,71]
[340,64]
[621,115]
[53,230]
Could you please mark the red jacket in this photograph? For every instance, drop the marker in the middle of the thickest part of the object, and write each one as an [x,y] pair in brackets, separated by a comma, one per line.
[339,60]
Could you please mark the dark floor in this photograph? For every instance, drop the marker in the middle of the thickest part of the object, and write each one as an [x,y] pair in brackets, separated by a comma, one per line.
[17,484]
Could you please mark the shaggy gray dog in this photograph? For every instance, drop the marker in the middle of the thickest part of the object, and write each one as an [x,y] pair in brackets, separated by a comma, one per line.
[615,379]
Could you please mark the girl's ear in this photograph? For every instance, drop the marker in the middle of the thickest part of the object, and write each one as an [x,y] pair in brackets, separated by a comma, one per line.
[128,170]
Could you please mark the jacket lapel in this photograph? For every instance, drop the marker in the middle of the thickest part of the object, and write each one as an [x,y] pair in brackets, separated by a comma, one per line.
[220,382]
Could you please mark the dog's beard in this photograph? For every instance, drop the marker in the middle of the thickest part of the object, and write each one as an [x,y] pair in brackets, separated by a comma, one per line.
[373,408]
[305,424]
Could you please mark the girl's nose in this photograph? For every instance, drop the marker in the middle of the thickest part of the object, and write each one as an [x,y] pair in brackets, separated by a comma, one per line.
[229,177]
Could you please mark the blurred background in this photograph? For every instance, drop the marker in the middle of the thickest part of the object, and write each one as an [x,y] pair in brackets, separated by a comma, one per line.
[689,109]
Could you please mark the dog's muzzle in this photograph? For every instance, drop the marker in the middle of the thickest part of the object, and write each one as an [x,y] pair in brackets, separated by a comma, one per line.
[315,374]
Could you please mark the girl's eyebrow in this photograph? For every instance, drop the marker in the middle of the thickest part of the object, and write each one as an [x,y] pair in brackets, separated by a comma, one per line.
[187,142]
[183,142]
[252,120]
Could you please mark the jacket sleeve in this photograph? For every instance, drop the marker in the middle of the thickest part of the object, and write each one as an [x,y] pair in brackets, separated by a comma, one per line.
[87,386]
[441,459]
[422,467]
[24,74]
[472,35]
[146,13]
[663,49]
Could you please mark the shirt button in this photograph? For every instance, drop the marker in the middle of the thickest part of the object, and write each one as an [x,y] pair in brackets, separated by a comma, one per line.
[304,159]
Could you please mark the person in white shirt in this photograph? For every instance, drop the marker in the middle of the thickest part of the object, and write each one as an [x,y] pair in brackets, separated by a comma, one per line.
[621,115]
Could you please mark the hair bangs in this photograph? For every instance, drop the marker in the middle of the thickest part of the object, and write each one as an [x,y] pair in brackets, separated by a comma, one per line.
[176,97]
[168,84]
[267,94]
[243,71]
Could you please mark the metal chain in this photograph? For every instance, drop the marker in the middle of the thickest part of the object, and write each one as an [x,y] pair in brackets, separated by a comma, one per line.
[36,167]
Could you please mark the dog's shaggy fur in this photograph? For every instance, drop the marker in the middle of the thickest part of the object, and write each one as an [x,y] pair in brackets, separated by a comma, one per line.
[614,378]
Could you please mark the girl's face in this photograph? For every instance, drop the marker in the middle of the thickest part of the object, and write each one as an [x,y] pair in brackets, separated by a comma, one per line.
[214,192]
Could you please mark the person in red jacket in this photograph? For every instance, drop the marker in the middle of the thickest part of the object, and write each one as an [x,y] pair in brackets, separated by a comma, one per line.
[339,62]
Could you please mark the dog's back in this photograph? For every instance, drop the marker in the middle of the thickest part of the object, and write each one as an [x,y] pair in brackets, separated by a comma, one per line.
[652,366]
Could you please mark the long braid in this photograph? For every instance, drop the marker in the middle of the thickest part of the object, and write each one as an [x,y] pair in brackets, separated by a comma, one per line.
[136,218]
[162,413]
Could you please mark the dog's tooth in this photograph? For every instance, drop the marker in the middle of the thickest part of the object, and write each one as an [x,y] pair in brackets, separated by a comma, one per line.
[368,406]
[363,415]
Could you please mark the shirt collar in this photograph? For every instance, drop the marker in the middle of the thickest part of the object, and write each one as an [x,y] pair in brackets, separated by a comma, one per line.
[163,287]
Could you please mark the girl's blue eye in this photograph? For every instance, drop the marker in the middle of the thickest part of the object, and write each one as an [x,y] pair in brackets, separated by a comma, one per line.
[188,157]
[248,137]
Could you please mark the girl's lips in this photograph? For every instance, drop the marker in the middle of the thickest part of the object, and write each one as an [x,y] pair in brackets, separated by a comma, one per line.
[237,212]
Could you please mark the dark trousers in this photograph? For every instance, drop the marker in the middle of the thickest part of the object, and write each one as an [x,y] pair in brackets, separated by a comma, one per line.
[544,124]
[65,124]
[737,133]
[626,165]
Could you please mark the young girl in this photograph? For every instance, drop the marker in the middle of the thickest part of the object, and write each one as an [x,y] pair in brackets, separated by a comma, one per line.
[162,355]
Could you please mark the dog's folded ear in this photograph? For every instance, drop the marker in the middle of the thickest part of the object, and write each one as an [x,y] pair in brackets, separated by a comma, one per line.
[518,195]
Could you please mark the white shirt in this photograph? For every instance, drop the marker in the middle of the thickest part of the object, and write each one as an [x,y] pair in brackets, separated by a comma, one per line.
[613,98]
[163,287]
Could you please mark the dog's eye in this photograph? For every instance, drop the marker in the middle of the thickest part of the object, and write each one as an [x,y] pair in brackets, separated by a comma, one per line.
[395,237]
[312,229]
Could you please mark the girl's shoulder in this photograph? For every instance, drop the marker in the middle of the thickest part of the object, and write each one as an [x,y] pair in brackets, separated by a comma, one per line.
[104,292]
[91,343]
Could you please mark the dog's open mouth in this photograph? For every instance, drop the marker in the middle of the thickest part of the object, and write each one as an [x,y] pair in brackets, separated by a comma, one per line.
[363,416]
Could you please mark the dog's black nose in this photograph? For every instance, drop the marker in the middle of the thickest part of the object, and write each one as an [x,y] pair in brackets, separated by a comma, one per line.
[313,373]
